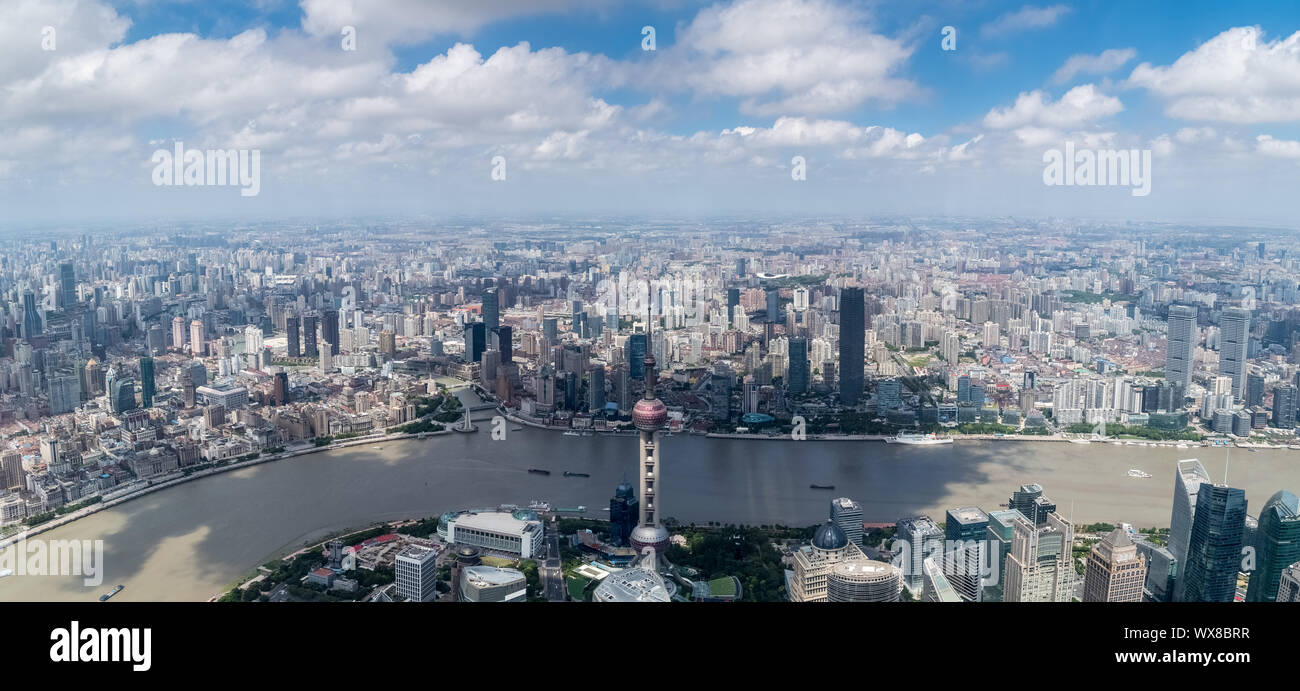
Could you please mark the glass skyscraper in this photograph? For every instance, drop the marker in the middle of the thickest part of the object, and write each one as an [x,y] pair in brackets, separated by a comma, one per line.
[1277,545]
[1181,345]
[1234,335]
[798,370]
[1187,483]
[853,334]
[1214,552]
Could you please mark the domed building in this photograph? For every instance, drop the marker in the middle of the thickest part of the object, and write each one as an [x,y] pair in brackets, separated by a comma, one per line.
[813,562]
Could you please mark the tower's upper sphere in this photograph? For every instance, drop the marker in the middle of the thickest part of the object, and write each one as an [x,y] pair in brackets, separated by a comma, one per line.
[649,414]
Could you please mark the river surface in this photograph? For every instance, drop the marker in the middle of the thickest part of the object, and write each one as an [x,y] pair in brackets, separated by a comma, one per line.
[191,541]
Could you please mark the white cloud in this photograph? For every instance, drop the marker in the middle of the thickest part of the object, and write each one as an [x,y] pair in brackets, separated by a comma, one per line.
[1281,148]
[1235,77]
[1104,63]
[785,57]
[1079,106]
[1026,18]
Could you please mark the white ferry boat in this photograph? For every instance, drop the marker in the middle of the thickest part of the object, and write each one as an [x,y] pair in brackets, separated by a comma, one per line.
[1134,472]
[918,439]
[6,572]
[1080,441]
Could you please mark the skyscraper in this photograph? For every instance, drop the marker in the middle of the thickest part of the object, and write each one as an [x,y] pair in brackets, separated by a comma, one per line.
[963,556]
[67,284]
[636,351]
[1214,552]
[491,310]
[623,515]
[1187,483]
[1181,346]
[1284,406]
[853,334]
[773,305]
[797,381]
[310,349]
[330,329]
[475,341]
[1115,571]
[31,318]
[147,381]
[196,338]
[1030,501]
[1277,545]
[847,514]
[1040,566]
[1288,588]
[915,539]
[291,329]
[1234,336]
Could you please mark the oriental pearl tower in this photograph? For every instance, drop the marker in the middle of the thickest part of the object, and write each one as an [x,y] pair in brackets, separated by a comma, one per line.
[649,415]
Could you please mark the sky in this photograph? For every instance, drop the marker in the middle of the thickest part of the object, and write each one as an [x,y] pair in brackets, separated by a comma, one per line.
[743,107]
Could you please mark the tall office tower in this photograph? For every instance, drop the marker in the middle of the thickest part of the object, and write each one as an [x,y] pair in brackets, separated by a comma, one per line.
[550,329]
[636,351]
[1188,479]
[1030,501]
[1181,346]
[291,329]
[740,268]
[1254,389]
[1277,545]
[280,392]
[416,570]
[1115,571]
[813,562]
[310,349]
[65,393]
[863,580]
[1214,552]
[196,338]
[649,415]
[178,333]
[596,388]
[504,338]
[847,514]
[1288,588]
[187,390]
[329,330]
[491,310]
[475,341]
[733,301]
[388,344]
[1234,336]
[853,334]
[1040,566]
[121,393]
[773,305]
[148,381]
[999,535]
[31,319]
[915,539]
[963,557]
[1284,406]
[798,379]
[67,284]
[1162,570]
[623,513]
[11,469]
[936,586]
[155,340]
[253,339]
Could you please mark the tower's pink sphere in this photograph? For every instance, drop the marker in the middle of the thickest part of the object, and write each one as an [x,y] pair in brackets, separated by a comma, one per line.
[649,415]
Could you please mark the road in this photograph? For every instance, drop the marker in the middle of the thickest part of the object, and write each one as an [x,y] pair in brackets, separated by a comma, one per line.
[552,578]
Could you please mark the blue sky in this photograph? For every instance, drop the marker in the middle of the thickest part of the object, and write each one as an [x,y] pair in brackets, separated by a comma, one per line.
[888,122]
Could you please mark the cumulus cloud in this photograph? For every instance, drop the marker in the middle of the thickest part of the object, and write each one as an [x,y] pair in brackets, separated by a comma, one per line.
[1104,63]
[1236,77]
[1281,148]
[382,22]
[803,57]
[1079,106]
